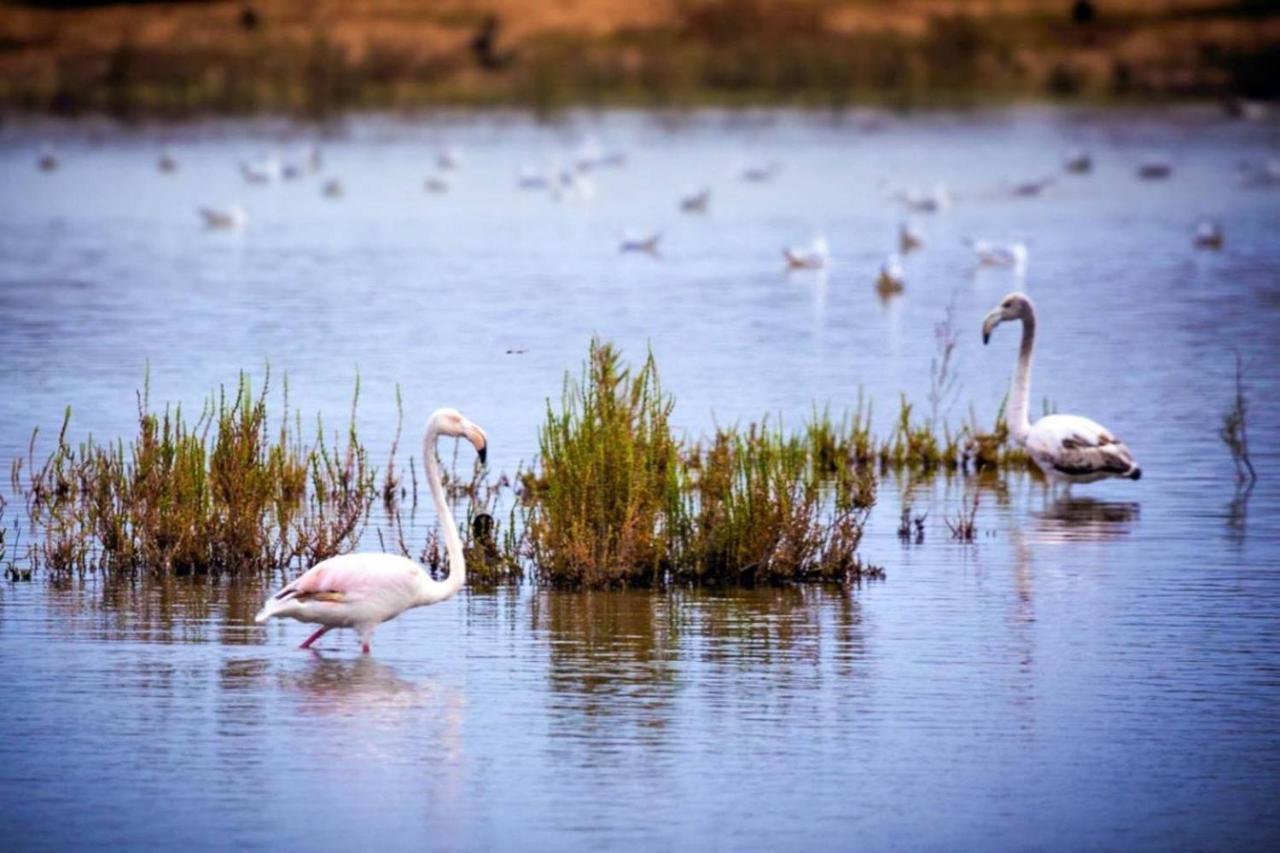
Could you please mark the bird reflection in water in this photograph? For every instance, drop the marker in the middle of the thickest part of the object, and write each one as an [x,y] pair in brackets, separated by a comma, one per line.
[1075,519]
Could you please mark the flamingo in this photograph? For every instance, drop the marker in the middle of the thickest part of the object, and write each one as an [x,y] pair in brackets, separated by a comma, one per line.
[1066,447]
[362,590]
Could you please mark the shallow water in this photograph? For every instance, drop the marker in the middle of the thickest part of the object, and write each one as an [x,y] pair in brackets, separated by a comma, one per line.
[1101,669]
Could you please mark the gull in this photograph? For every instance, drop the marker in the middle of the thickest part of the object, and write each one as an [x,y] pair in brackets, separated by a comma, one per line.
[1029,189]
[1209,235]
[167,162]
[436,184]
[264,171]
[1012,255]
[815,256]
[932,201]
[758,173]
[634,241]
[231,218]
[1155,169]
[449,159]
[910,237]
[48,161]
[892,278]
[695,201]
[1077,161]
[333,188]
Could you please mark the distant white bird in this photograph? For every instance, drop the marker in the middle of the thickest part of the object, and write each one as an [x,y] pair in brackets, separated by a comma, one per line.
[573,186]
[695,201]
[930,201]
[910,237]
[531,178]
[758,173]
[231,218]
[361,591]
[1155,169]
[1209,235]
[892,278]
[1012,255]
[167,162]
[815,256]
[333,188]
[264,171]
[635,241]
[1077,161]
[1066,447]
[1247,109]
[449,159]
[591,155]
[1031,188]
[436,184]
[48,161]
[1261,174]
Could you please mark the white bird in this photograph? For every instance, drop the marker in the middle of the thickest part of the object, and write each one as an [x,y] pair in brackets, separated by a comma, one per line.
[814,256]
[930,201]
[910,237]
[1155,169]
[436,184]
[1209,235]
[892,278]
[449,159]
[758,173]
[695,201]
[1078,161]
[167,162]
[264,171]
[633,241]
[570,185]
[361,591]
[1011,255]
[1066,447]
[531,178]
[231,218]
[1031,188]
[333,188]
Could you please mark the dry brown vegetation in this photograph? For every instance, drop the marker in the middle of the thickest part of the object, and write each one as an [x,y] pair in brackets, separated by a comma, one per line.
[317,56]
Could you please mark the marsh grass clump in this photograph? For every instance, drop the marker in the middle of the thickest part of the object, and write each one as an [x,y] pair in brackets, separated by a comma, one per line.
[223,494]
[964,526]
[616,499]
[603,505]
[765,507]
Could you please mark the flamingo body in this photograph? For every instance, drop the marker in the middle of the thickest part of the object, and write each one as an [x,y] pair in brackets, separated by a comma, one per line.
[361,591]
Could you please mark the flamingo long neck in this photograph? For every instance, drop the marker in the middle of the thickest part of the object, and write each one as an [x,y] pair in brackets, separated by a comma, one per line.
[441,590]
[1020,389]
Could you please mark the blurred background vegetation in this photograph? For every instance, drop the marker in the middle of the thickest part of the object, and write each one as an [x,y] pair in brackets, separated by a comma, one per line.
[317,57]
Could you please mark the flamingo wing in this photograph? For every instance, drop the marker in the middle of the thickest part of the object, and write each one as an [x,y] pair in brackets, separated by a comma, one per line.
[1078,447]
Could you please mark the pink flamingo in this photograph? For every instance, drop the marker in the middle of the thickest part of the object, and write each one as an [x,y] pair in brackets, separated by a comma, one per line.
[362,590]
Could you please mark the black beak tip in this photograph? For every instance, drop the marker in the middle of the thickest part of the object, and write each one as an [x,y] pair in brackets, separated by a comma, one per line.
[484,454]
[986,338]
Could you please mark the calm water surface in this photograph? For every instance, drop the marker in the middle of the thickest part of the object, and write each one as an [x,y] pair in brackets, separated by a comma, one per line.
[1098,670]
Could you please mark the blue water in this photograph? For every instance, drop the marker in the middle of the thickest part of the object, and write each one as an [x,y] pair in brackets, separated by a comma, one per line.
[1099,669]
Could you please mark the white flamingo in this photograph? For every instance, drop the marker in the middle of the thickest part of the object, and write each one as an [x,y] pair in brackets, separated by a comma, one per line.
[361,591]
[1066,447]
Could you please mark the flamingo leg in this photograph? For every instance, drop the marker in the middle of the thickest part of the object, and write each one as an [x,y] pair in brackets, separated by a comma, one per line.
[306,644]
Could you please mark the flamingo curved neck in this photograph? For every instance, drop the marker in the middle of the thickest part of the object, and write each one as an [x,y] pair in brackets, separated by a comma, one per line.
[1020,389]
[440,590]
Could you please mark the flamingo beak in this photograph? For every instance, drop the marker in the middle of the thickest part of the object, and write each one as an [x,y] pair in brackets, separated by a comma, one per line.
[478,439]
[990,322]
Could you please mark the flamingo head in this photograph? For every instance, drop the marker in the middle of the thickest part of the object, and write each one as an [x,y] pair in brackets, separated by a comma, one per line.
[453,423]
[1015,306]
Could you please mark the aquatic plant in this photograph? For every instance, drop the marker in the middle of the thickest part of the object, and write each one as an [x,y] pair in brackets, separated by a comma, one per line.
[964,525]
[222,494]
[1234,431]
[603,502]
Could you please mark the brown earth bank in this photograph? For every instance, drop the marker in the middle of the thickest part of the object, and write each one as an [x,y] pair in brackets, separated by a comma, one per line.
[316,57]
